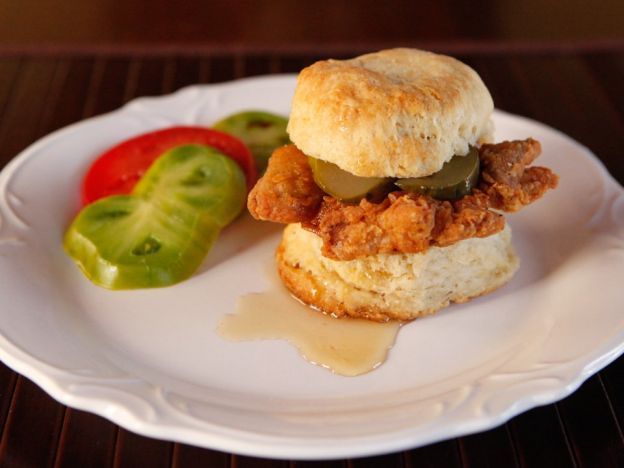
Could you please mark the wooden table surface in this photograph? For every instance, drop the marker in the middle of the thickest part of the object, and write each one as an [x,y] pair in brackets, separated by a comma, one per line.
[578,92]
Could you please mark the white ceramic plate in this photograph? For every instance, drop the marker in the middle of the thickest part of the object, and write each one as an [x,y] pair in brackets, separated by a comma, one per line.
[150,360]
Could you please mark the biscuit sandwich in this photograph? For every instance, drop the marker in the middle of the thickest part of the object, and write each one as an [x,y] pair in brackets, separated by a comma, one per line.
[392,190]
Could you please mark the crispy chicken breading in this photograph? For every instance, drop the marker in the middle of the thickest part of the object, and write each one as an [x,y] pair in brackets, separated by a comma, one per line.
[506,178]
[402,222]
[287,192]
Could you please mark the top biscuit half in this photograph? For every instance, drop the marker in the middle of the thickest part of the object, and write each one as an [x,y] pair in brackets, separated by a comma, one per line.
[394,113]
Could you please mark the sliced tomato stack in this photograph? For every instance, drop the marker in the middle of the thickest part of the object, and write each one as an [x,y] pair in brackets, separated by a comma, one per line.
[118,170]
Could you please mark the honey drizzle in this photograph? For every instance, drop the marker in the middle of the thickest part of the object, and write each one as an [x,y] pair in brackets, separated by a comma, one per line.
[346,346]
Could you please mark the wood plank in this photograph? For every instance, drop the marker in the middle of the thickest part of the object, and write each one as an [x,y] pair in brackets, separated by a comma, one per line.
[32,428]
[67,104]
[8,380]
[8,74]
[497,75]
[603,125]
[86,440]
[389,460]
[538,438]
[257,64]
[492,448]
[110,86]
[186,73]
[151,78]
[442,454]
[221,68]
[320,464]
[560,93]
[532,81]
[613,381]
[133,450]
[240,461]
[607,68]
[294,64]
[188,456]
[25,107]
[591,428]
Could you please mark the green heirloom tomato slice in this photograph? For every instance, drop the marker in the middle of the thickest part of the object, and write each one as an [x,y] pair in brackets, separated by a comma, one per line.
[159,234]
[261,131]
[117,170]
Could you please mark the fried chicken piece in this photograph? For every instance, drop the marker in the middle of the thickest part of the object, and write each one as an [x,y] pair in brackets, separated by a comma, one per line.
[505,162]
[402,222]
[352,231]
[287,192]
[469,218]
[505,177]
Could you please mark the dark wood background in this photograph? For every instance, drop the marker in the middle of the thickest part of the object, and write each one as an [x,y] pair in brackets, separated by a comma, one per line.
[559,62]
[287,22]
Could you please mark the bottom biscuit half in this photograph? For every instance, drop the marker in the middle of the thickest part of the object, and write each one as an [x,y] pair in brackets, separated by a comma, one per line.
[393,286]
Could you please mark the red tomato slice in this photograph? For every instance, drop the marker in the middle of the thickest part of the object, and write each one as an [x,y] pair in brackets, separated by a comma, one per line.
[117,171]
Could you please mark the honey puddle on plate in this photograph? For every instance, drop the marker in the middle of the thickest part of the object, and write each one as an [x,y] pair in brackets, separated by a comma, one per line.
[346,346]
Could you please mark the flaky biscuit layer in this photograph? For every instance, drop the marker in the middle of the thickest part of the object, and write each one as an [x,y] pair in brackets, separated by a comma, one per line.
[394,286]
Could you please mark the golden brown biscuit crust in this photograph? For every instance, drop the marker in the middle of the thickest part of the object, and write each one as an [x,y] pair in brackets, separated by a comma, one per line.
[394,113]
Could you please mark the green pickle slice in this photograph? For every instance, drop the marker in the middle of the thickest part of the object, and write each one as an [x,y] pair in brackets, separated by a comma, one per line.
[262,132]
[455,180]
[160,234]
[345,186]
